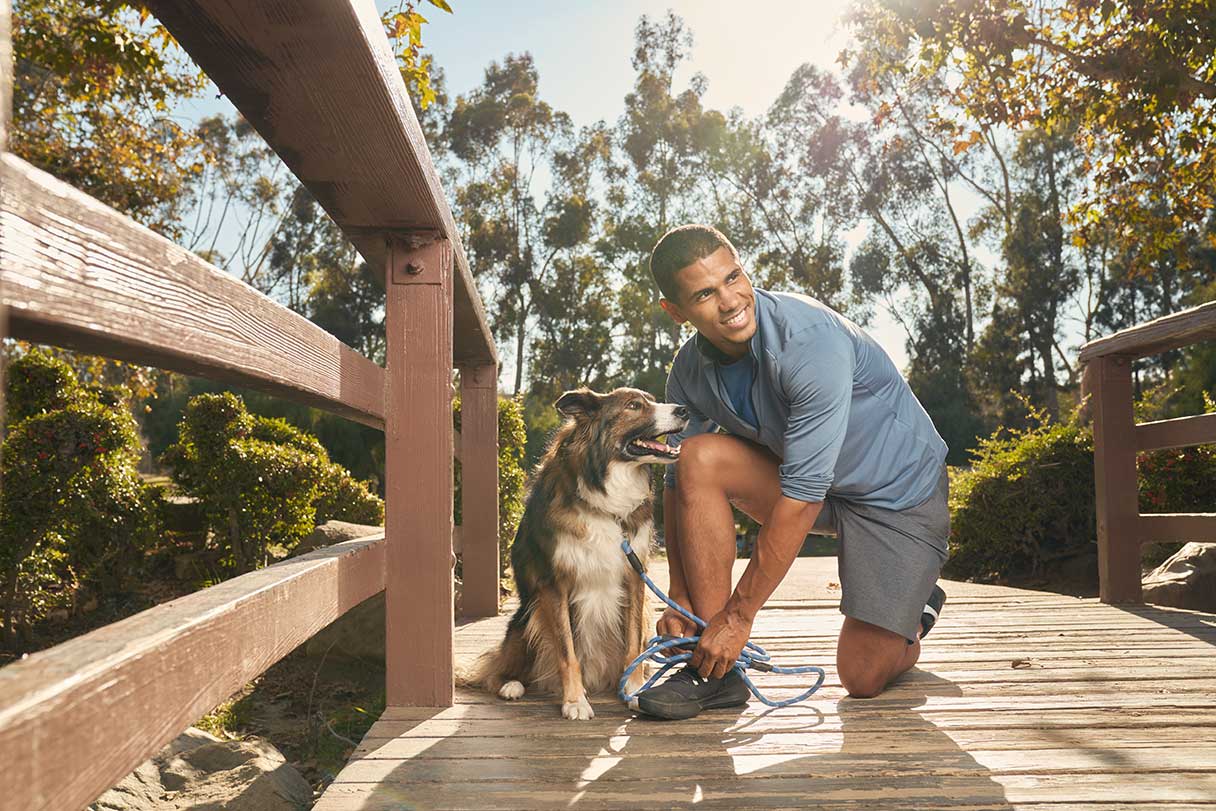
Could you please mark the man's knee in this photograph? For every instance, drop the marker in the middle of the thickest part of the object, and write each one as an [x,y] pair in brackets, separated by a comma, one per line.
[861,680]
[700,456]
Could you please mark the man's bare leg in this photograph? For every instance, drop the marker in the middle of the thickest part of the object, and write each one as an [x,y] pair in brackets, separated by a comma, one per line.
[716,470]
[713,471]
[868,657]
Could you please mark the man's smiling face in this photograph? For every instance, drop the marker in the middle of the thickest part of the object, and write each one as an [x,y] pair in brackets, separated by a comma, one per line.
[716,297]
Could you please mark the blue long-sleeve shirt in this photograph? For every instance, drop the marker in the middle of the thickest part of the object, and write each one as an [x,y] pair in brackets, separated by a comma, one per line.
[827,401]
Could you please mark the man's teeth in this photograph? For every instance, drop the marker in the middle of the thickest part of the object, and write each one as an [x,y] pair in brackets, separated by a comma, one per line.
[736,319]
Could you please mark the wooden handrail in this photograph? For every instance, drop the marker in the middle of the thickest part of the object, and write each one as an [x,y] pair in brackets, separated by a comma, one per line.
[1160,335]
[1107,380]
[77,718]
[318,80]
[81,275]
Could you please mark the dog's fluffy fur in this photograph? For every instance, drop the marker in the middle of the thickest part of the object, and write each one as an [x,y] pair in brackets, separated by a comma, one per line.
[582,612]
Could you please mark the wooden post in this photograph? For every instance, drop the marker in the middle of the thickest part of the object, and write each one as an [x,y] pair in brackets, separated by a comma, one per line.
[479,483]
[1115,479]
[418,475]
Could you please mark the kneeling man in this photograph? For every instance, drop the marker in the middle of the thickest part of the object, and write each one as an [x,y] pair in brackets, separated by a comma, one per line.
[801,421]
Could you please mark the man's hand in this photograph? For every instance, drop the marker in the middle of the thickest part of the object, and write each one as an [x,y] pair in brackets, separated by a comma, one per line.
[721,643]
[673,623]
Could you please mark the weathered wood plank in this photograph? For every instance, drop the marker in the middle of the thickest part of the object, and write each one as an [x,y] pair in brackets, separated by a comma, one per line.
[418,475]
[1181,432]
[479,483]
[317,79]
[924,737]
[77,718]
[1115,480]
[80,275]
[900,788]
[1177,526]
[1160,335]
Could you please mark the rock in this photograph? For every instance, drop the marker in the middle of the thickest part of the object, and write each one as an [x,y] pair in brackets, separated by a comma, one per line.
[332,532]
[200,771]
[357,634]
[1186,580]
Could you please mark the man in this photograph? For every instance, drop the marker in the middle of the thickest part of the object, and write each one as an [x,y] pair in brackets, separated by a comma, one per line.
[820,433]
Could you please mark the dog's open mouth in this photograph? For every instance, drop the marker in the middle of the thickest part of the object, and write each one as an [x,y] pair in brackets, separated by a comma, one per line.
[643,446]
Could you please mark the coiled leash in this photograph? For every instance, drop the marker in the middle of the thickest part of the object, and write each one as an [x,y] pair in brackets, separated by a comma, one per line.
[752,656]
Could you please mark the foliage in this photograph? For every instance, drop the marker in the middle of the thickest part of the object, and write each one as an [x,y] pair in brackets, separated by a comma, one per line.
[403,27]
[73,512]
[1027,501]
[261,481]
[93,90]
[1136,78]
[512,442]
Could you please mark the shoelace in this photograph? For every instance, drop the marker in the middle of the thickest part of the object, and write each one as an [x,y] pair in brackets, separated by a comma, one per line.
[752,656]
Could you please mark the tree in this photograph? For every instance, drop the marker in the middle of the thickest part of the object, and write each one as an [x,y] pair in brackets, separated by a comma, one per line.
[502,133]
[93,90]
[1136,80]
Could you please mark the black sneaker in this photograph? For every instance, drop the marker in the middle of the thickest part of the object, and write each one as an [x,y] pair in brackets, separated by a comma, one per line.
[932,609]
[685,694]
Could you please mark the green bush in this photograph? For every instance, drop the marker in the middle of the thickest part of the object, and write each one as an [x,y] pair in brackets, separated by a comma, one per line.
[261,481]
[512,445]
[73,511]
[1028,499]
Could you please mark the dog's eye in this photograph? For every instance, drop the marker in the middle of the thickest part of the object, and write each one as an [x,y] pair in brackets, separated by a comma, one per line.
[633,405]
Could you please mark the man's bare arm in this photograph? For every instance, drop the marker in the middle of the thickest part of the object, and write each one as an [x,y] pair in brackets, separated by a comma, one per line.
[777,545]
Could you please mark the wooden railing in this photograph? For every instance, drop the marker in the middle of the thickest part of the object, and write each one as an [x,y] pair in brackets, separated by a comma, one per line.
[323,90]
[1107,379]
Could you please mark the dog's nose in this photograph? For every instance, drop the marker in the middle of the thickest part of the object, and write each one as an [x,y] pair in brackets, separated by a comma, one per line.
[682,412]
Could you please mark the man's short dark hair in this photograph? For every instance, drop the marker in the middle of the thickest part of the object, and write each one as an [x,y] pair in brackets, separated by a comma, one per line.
[679,248]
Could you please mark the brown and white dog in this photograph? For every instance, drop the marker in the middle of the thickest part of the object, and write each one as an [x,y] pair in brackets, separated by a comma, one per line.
[582,613]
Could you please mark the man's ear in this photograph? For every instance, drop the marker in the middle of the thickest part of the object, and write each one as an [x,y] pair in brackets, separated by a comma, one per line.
[579,401]
[672,310]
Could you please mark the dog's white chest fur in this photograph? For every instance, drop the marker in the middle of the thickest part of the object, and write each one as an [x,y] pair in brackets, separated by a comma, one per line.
[597,567]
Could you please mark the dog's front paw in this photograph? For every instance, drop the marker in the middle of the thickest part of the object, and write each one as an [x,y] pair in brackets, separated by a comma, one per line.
[578,710]
[511,691]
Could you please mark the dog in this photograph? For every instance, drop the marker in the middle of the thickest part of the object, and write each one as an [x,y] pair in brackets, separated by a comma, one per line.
[582,609]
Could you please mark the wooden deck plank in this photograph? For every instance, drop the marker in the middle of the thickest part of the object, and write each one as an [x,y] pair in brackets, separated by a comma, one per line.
[1115,708]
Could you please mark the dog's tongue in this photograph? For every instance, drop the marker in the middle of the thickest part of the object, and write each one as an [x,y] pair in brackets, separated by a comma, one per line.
[650,443]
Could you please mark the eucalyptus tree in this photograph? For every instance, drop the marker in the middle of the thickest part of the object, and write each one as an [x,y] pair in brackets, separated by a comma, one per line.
[502,134]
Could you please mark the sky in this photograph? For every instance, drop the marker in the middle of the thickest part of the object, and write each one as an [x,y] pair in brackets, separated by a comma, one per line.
[582,53]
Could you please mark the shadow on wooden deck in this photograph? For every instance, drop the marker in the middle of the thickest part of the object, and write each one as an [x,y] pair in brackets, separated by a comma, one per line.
[1022,700]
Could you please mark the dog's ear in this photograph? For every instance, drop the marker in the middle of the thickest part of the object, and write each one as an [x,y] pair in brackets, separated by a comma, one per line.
[577,402]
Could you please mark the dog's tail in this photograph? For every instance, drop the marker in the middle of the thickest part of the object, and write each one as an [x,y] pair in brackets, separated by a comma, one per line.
[510,661]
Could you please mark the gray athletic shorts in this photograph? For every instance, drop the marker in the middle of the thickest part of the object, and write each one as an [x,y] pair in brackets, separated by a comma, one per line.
[889,560]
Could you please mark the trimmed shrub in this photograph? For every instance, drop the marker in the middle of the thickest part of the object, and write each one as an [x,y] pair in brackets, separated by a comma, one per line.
[1028,499]
[73,511]
[262,482]
[512,446]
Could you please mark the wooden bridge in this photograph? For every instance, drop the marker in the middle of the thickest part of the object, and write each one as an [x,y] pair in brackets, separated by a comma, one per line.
[1022,700]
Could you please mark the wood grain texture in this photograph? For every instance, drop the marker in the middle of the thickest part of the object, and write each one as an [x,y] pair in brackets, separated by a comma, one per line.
[479,480]
[317,79]
[1108,708]
[78,274]
[1162,334]
[77,718]
[1115,483]
[1178,526]
[1181,432]
[418,476]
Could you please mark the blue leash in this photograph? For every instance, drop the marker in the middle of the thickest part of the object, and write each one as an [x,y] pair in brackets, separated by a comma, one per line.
[752,656]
